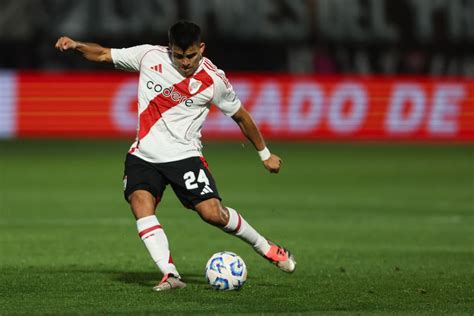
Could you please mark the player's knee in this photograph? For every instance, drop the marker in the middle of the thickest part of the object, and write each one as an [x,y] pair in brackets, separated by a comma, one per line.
[142,203]
[212,212]
[139,197]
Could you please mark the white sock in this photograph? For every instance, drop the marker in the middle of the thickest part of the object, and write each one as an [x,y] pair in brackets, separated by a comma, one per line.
[239,227]
[150,231]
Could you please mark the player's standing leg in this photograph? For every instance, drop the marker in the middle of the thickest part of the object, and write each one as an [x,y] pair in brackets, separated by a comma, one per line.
[154,238]
[143,187]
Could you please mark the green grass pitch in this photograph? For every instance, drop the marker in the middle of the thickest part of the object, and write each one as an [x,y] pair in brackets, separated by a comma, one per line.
[376,229]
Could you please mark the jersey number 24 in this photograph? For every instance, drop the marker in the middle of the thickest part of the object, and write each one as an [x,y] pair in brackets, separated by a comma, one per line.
[190,179]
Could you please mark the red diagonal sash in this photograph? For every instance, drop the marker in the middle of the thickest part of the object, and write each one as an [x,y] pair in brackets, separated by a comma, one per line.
[162,103]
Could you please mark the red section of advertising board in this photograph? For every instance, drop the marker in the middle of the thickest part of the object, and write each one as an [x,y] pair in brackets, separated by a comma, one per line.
[75,104]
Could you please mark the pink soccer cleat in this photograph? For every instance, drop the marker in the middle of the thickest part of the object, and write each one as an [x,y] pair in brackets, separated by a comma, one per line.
[281,257]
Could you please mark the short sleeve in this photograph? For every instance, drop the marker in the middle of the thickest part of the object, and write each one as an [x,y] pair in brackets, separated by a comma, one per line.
[129,59]
[225,97]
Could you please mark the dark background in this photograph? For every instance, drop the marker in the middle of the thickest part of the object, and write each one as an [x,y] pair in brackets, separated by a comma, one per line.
[432,37]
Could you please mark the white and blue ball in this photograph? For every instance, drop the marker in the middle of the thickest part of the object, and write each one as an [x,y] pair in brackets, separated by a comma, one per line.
[226,271]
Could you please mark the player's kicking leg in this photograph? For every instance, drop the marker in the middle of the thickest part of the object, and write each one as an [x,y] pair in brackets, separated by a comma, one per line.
[233,223]
[277,255]
[202,195]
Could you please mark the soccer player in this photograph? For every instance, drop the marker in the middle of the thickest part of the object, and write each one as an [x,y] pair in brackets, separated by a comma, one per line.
[177,86]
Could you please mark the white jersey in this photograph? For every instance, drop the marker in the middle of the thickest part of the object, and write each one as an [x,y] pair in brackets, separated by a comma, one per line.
[172,108]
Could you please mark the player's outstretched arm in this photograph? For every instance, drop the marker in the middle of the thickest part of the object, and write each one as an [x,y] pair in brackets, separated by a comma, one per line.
[90,51]
[246,123]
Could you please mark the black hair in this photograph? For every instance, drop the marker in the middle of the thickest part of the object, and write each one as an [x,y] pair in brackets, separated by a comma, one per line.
[184,34]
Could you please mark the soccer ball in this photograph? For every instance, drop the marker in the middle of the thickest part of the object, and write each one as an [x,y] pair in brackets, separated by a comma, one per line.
[226,271]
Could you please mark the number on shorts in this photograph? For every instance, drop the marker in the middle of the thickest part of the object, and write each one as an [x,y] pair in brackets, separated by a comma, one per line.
[190,179]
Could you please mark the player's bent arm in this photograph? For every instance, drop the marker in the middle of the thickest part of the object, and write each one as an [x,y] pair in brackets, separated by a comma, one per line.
[246,123]
[90,51]
[248,127]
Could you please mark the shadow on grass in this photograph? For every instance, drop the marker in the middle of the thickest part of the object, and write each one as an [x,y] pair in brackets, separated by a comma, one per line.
[145,279]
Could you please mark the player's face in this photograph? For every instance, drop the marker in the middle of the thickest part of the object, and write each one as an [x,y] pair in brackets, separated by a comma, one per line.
[187,61]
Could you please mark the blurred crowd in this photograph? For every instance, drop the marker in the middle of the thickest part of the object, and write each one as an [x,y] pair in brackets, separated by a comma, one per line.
[412,37]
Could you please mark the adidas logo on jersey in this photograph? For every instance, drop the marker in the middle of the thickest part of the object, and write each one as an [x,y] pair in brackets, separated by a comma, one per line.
[158,68]
[206,190]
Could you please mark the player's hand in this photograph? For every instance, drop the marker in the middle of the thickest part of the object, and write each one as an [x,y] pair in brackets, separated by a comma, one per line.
[273,163]
[64,43]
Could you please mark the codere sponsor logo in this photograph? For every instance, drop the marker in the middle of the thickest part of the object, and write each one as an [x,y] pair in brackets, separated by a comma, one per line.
[169,92]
